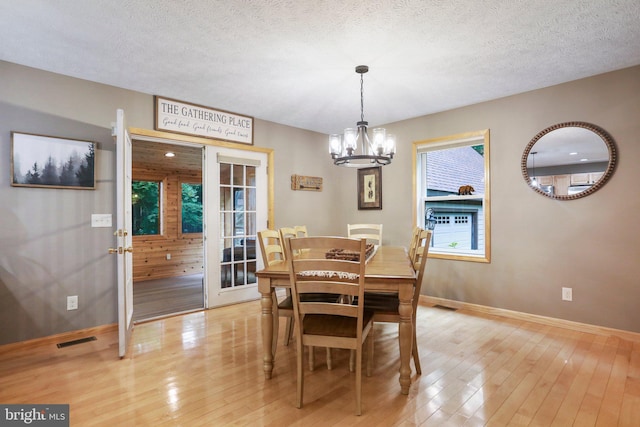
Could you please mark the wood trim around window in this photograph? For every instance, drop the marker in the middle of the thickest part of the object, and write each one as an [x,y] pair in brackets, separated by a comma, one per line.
[450,140]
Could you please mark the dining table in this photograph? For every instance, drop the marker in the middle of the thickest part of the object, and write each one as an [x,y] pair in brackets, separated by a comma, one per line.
[388,270]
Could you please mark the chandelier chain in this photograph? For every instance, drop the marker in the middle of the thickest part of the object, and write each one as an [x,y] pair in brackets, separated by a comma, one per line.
[361,98]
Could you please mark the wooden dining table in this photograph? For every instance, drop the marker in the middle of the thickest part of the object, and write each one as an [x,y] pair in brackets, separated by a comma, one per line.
[388,270]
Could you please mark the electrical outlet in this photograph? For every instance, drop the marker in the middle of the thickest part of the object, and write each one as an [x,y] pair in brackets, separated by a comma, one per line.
[168,257]
[567,294]
[72,302]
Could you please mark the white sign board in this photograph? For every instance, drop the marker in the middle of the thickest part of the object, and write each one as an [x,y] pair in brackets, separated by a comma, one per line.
[190,119]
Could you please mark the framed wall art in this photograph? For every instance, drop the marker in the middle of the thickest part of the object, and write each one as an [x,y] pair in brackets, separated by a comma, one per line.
[370,188]
[52,162]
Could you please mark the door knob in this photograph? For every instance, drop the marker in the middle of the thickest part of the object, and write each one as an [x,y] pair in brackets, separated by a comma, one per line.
[115,250]
[129,249]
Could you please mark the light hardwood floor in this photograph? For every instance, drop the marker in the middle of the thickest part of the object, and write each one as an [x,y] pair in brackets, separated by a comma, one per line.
[205,369]
[162,297]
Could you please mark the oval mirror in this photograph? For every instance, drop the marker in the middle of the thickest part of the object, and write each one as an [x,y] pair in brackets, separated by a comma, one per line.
[569,160]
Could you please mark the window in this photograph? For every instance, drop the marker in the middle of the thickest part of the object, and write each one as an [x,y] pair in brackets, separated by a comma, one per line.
[452,179]
[191,212]
[145,209]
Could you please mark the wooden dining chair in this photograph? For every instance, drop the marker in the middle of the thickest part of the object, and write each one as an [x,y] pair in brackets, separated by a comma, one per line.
[301,231]
[371,232]
[273,252]
[331,325]
[287,303]
[272,247]
[386,307]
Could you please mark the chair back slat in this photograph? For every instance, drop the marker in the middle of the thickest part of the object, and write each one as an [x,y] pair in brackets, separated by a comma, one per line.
[301,231]
[286,233]
[345,310]
[371,232]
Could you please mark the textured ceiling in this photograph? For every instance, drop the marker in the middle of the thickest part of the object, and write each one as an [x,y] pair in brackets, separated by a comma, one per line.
[292,62]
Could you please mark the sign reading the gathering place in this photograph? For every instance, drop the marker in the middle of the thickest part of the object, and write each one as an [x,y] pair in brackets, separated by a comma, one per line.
[190,119]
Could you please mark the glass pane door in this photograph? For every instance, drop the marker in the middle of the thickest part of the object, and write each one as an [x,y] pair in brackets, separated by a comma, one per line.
[236,207]
[237,225]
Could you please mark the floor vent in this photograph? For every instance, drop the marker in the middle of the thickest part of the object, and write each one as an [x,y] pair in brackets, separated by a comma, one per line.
[444,307]
[74,342]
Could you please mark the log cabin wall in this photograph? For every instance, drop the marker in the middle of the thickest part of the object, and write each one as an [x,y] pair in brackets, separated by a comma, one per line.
[186,251]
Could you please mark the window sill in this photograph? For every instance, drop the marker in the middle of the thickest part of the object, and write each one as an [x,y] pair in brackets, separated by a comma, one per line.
[453,256]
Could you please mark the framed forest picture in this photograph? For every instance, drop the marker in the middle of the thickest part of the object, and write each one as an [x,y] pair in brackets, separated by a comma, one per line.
[51,162]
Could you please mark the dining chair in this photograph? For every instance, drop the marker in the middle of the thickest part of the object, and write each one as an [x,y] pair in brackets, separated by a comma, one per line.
[371,232]
[273,252]
[287,304]
[385,307]
[301,231]
[413,244]
[335,324]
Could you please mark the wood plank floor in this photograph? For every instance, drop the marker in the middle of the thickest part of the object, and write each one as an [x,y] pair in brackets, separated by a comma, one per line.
[205,369]
[162,297]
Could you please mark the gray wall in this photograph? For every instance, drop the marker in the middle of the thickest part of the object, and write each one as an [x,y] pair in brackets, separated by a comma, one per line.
[538,244]
[48,249]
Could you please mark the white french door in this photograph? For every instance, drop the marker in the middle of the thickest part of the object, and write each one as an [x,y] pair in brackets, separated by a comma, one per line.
[123,249]
[236,207]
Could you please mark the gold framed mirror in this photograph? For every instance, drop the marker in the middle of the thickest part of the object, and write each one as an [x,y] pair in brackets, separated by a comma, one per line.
[569,160]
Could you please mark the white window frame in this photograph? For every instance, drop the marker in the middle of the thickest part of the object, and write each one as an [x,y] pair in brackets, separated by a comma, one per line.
[420,199]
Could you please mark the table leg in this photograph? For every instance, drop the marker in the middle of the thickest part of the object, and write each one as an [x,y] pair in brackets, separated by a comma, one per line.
[276,323]
[266,303]
[405,332]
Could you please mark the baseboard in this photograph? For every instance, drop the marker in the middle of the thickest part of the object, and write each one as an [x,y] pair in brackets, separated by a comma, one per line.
[424,299]
[58,338]
[550,321]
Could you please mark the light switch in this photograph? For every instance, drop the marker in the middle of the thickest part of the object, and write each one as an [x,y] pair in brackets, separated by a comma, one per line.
[101,220]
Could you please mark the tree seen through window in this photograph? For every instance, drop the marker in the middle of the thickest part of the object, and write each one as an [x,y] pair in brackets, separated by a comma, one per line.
[145,207]
[191,208]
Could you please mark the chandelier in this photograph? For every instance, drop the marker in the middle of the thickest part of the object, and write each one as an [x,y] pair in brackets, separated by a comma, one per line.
[376,152]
